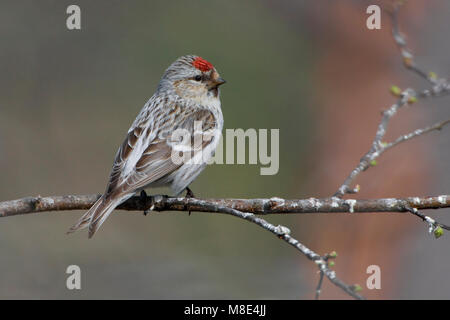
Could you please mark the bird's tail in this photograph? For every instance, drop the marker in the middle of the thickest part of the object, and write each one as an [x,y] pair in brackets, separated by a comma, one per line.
[96,215]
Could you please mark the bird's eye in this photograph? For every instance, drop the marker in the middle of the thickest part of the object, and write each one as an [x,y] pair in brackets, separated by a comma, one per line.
[198,78]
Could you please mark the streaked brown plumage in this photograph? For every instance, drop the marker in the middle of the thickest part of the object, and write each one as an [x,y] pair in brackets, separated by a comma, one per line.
[187,94]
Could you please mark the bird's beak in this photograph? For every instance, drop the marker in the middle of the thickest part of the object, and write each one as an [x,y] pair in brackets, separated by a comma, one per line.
[219,81]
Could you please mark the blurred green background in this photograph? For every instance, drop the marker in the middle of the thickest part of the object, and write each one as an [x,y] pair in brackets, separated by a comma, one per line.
[69,97]
[67,100]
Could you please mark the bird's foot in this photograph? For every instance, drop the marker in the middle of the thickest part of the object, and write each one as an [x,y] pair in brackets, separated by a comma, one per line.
[144,201]
[189,194]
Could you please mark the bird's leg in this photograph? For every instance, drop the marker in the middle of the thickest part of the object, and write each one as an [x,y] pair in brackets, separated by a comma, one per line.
[189,194]
[144,200]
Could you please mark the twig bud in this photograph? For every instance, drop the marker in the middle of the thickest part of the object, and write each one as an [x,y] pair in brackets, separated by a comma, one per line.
[396,91]
[438,232]
[432,75]
[356,287]
[412,99]
[408,61]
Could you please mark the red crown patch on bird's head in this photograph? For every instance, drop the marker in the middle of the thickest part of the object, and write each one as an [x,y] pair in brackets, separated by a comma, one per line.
[202,65]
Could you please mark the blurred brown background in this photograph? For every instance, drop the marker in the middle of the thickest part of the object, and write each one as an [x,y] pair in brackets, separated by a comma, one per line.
[309,68]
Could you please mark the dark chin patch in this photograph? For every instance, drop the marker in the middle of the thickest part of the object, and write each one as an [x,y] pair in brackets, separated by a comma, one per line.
[214,92]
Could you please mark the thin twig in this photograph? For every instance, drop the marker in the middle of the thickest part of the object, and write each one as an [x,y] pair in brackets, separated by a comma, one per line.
[408,58]
[283,233]
[439,87]
[319,285]
[377,146]
[416,133]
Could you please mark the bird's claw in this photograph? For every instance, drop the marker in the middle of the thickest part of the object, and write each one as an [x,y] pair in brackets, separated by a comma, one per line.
[189,194]
[144,200]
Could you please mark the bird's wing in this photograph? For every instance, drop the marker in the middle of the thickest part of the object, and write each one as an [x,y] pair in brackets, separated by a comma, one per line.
[154,159]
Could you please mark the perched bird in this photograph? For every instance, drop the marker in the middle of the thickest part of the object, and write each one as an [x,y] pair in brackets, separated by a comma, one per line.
[169,142]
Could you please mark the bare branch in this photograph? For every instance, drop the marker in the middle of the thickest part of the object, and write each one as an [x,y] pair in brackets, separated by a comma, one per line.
[319,285]
[377,147]
[244,209]
[408,58]
[164,203]
[283,233]
[440,87]
[326,258]
[256,206]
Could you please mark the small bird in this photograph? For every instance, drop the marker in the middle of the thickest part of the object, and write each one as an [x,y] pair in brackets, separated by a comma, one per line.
[154,153]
